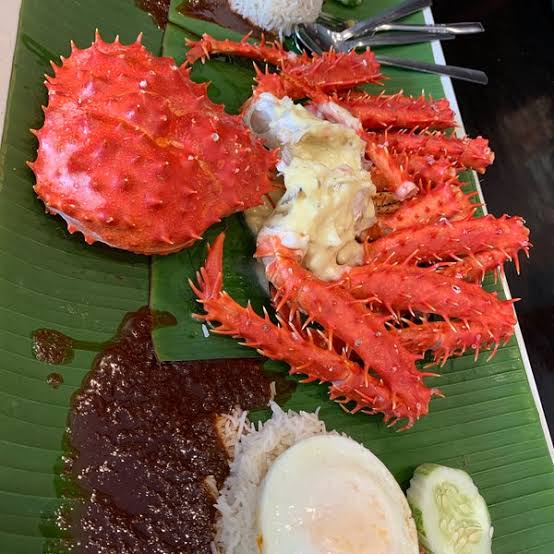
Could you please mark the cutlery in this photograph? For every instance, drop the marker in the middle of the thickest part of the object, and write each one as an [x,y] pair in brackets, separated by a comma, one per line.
[380,39]
[304,41]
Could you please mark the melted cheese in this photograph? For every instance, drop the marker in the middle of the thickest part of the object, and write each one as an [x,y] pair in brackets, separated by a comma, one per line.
[328,197]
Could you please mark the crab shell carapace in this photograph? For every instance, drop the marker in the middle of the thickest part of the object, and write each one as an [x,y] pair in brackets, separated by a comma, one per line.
[132,153]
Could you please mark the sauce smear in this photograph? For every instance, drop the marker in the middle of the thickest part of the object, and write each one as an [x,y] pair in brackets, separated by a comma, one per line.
[158,9]
[52,347]
[219,11]
[145,446]
[54,380]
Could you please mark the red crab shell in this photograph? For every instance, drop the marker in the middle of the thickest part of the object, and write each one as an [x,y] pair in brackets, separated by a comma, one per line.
[143,160]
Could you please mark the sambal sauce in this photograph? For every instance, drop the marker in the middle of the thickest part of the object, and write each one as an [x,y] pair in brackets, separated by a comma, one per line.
[145,446]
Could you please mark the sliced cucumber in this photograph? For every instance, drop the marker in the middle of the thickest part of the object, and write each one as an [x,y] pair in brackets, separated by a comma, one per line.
[450,514]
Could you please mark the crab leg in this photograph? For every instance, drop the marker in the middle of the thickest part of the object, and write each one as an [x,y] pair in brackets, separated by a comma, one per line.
[270,52]
[332,71]
[418,168]
[447,240]
[468,153]
[339,313]
[351,383]
[390,172]
[371,397]
[415,289]
[451,339]
[328,72]
[384,111]
[446,201]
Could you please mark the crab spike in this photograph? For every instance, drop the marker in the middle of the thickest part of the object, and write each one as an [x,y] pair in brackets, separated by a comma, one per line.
[401,288]
[443,239]
[278,343]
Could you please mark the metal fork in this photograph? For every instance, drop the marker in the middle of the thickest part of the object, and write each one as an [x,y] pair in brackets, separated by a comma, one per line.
[304,41]
[393,38]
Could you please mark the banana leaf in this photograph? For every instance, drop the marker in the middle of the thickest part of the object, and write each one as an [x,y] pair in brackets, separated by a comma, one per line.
[487,423]
[48,278]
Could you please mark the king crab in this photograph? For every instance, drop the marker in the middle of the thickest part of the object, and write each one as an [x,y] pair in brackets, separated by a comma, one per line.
[372,261]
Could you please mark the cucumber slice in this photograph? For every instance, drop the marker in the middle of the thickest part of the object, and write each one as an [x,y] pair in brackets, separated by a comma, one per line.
[450,514]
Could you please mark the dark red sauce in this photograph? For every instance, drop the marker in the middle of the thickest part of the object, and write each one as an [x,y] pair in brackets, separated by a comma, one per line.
[218,11]
[54,380]
[158,9]
[144,441]
[52,347]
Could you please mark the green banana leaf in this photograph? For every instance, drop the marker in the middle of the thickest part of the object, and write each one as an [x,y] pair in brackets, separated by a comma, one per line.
[487,423]
[49,279]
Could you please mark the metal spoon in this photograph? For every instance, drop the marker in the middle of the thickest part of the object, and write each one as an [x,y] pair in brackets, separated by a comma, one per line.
[336,24]
[329,39]
[390,39]
[336,27]
[392,14]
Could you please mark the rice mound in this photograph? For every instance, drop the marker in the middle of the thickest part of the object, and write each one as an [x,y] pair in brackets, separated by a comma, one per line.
[254,449]
[277,16]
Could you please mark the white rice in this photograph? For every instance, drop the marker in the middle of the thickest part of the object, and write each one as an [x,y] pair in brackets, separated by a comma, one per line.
[277,16]
[255,449]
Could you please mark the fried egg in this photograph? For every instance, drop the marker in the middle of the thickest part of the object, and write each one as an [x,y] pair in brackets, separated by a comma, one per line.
[329,495]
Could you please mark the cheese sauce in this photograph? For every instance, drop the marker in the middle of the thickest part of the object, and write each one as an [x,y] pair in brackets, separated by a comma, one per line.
[328,197]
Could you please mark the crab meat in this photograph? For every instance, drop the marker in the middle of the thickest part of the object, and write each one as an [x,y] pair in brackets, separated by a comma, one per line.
[327,203]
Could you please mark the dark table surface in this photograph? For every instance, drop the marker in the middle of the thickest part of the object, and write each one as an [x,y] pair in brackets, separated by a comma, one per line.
[516,112]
